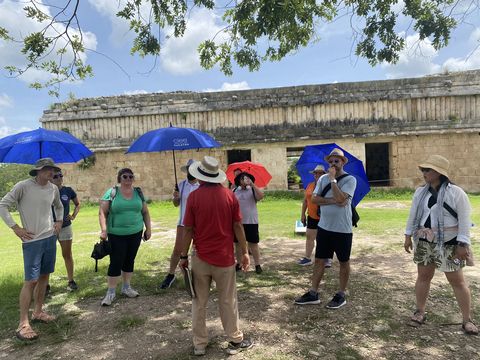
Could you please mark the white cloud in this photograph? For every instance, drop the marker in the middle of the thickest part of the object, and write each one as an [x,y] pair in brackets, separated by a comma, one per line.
[135,92]
[12,17]
[471,60]
[243,85]
[5,101]
[120,27]
[415,60]
[180,55]
[6,130]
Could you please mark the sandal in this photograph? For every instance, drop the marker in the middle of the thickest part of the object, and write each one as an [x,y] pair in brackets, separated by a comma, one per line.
[26,333]
[470,328]
[418,319]
[43,317]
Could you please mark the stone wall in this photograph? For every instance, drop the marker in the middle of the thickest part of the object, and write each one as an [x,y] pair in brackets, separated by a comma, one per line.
[437,114]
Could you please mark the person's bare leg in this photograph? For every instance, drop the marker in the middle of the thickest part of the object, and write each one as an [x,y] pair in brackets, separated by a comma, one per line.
[67,257]
[254,248]
[462,292]
[25,299]
[310,242]
[39,293]
[318,271]
[422,285]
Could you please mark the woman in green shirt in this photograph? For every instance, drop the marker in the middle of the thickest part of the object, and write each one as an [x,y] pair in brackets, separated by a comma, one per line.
[123,214]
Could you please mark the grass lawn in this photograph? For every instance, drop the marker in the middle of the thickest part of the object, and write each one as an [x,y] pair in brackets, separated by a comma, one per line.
[278,213]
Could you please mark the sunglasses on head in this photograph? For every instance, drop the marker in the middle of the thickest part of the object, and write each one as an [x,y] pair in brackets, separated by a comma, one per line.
[125,177]
[424,170]
[58,176]
[334,161]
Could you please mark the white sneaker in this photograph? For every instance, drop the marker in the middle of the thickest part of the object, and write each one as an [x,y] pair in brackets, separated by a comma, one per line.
[108,299]
[130,292]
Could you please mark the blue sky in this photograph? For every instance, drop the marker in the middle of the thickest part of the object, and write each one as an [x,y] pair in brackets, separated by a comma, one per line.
[329,60]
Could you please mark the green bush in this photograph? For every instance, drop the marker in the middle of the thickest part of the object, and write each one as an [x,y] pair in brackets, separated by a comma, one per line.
[10,174]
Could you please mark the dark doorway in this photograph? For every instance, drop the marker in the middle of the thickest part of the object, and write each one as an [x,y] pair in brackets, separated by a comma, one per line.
[378,164]
[239,155]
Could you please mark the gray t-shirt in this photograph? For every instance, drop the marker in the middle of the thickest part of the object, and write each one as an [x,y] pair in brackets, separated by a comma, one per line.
[333,217]
[34,203]
[248,205]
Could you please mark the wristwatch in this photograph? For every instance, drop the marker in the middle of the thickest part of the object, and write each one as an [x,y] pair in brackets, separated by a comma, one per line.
[334,181]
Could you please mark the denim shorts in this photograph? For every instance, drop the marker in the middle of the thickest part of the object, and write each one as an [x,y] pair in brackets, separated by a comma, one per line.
[39,257]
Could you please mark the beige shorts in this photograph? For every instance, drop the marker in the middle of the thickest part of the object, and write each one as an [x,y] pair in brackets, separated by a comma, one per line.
[66,233]
[426,253]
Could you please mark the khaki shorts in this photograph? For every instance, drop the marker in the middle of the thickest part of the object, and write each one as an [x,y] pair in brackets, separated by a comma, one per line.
[66,233]
[426,253]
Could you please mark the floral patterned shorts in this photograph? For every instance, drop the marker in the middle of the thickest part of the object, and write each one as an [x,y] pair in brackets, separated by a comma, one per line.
[426,254]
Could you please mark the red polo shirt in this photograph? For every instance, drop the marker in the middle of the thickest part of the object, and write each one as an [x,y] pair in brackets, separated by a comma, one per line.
[211,211]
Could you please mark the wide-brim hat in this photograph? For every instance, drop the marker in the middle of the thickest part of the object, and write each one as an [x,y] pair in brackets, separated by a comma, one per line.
[318,168]
[207,170]
[437,163]
[42,163]
[185,167]
[241,175]
[337,152]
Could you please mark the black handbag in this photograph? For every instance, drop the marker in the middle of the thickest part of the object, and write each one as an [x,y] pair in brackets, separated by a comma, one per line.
[100,250]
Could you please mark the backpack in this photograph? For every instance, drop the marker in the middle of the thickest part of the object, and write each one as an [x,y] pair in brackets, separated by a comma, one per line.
[355,216]
[113,193]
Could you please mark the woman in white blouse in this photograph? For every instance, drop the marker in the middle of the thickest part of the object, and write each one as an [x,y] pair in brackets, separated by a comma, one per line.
[438,230]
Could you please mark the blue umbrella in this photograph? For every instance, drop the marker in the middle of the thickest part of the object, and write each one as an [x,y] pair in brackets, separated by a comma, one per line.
[29,146]
[172,138]
[314,155]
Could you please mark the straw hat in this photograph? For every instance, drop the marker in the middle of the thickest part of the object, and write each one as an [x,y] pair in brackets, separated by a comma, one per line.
[318,168]
[437,163]
[184,168]
[337,152]
[41,163]
[207,170]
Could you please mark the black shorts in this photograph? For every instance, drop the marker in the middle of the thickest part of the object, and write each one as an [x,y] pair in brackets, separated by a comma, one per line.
[251,233]
[312,223]
[329,242]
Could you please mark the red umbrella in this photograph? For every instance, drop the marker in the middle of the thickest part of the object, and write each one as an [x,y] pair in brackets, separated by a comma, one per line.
[261,175]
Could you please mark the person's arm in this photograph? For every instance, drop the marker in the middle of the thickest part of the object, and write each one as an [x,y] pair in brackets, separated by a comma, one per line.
[408,245]
[304,209]
[259,194]
[58,208]
[242,242]
[10,199]
[102,218]
[146,220]
[462,250]
[76,202]
[185,242]
[176,198]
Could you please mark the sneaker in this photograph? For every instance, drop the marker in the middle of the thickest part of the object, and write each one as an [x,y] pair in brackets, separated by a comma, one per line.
[130,292]
[304,262]
[199,351]
[328,263]
[258,269]
[337,302]
[72,286]
[108,299]
[168,281]
[234,348]
[308,299]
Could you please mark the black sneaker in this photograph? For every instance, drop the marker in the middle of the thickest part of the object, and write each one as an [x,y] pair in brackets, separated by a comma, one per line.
[337,302]
[258,269]
[72,286]
[308,299]
[234,348]
[168,281]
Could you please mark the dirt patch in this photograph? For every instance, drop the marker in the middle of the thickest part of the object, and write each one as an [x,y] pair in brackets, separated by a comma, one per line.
[370,326]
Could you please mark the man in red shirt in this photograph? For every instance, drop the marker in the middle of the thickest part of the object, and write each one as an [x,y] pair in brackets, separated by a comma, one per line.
[212,217]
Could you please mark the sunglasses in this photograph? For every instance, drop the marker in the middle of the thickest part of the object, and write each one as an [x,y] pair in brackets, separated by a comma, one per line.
[334,161]
[125,177]
[58,176]
[424,170]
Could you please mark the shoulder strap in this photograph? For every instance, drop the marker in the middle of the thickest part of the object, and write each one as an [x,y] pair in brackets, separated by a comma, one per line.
[329,185]
[445,205]
[254,197]
[113,193]
[140,193]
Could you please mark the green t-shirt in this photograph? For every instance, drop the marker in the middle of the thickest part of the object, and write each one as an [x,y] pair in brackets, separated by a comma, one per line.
[125,215]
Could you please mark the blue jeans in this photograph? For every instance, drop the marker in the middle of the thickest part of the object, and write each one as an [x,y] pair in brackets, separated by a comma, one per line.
[39,257]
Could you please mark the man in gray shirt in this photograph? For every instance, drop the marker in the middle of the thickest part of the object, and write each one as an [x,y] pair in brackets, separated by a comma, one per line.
[34,199]
[334,233]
